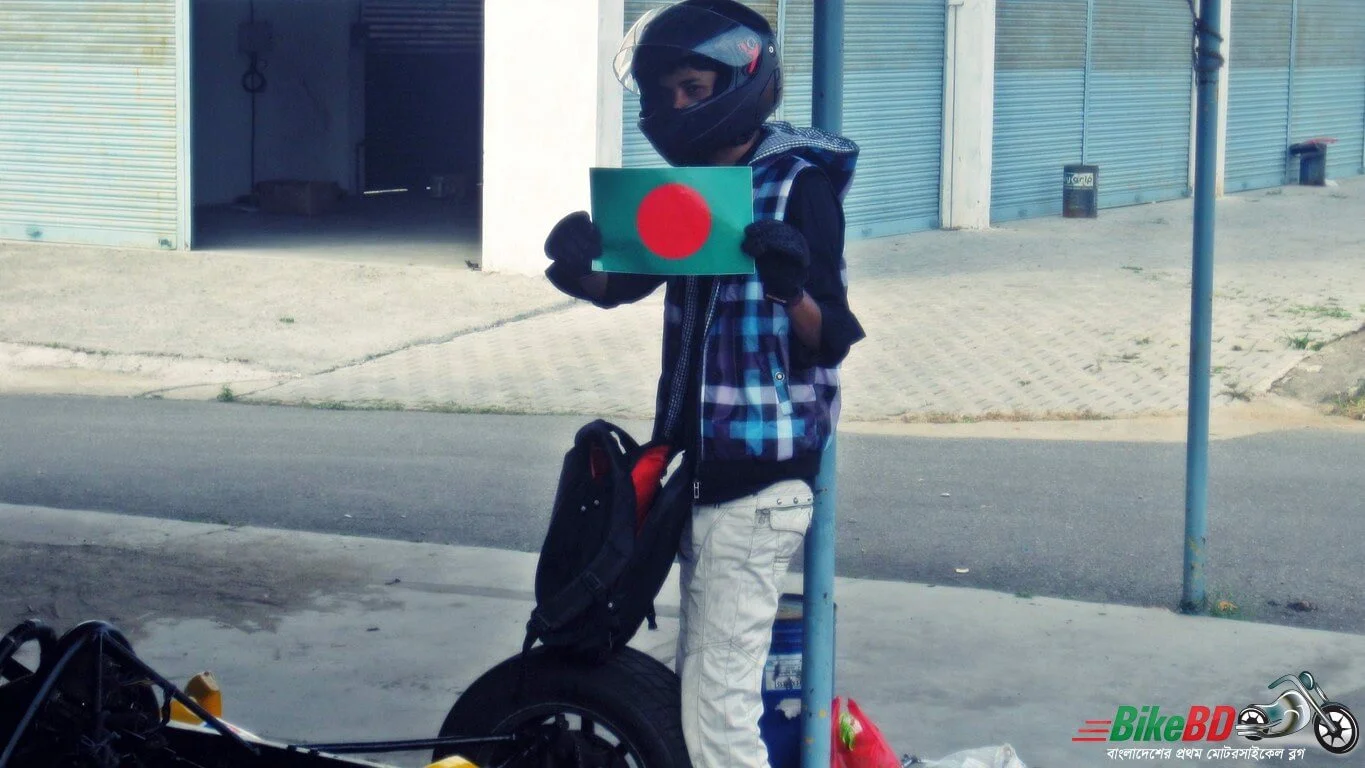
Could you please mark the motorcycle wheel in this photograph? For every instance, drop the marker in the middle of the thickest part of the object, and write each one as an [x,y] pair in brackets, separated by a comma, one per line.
[624,713]
[1348,730]
[1252,716]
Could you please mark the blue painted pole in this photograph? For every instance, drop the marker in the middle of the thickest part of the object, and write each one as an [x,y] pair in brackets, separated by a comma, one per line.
[817,650]
[1208,66]
[827,67]
[817,654]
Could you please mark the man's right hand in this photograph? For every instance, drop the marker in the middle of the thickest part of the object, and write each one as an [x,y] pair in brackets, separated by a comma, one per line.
[573,243]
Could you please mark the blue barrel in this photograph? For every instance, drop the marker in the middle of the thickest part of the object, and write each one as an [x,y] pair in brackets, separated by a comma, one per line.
[781,720]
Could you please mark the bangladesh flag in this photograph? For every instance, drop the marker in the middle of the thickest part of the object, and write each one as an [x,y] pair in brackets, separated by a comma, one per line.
[673,221]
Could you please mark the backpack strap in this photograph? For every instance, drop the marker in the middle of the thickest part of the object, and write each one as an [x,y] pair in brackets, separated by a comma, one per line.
[603,431]
[568,603]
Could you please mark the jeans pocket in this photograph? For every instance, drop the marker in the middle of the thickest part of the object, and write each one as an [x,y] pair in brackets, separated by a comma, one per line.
[787,526]
[794,519]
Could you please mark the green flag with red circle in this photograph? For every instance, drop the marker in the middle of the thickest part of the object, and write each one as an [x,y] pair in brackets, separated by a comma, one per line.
[673,221]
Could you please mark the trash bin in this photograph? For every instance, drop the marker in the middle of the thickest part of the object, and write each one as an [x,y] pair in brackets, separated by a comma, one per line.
[781,722]
[1312,156]
[1080,191]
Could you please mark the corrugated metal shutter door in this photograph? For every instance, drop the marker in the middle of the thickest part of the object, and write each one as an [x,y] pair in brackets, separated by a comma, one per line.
[423,26]
[635,149]
[1329,81]
[798,53]
[893,108]
[1039,104]
[1258,94]
[88,122]
[1140,97]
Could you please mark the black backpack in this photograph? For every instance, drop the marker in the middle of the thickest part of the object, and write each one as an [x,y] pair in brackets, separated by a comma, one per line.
[598,575]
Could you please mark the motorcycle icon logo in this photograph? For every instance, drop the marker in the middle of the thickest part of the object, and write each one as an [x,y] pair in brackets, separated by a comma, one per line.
[1334,726]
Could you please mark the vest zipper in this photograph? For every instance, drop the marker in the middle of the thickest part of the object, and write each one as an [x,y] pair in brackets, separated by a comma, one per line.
[680,377]
[701,380]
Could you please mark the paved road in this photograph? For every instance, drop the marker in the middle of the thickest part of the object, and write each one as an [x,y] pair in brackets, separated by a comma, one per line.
[1091,521]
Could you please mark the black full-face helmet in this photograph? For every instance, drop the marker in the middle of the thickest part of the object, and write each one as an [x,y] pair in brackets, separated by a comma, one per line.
[720,35]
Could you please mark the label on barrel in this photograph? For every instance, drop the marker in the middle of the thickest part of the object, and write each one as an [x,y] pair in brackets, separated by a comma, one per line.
[782,672]
[1080,180]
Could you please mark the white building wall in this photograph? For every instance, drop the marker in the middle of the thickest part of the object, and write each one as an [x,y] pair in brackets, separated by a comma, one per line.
[1225,24]
[551,111]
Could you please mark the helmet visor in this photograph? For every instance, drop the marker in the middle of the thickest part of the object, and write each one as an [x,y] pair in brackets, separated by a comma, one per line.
[681,31]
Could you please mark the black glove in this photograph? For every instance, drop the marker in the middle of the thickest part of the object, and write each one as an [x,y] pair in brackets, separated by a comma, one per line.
[573,244]
[781,256]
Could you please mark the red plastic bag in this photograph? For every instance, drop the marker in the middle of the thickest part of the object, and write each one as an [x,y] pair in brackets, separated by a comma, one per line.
[857,742]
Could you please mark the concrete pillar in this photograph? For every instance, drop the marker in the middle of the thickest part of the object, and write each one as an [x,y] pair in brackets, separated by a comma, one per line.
[968,114]
[184,125]
[552,110]
[1220,185]
[611,97]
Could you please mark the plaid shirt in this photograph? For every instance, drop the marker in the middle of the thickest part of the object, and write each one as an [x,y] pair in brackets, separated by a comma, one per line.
[754,403]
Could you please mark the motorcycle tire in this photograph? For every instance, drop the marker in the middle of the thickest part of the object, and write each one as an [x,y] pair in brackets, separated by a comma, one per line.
[1348,734]
[622,713]
[1252,716]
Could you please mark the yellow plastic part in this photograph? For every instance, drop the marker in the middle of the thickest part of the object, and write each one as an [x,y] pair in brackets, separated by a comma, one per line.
[454,761]
[203,688]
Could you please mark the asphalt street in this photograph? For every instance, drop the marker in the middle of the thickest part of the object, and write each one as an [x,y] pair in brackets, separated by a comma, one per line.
[1098,522]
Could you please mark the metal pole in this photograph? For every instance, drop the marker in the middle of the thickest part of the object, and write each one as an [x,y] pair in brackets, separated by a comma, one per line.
[1208,65]
[817,651]
[817,654]
[827,68]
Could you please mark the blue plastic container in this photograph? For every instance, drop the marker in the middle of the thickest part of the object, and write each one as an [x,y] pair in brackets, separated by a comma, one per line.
[781,720]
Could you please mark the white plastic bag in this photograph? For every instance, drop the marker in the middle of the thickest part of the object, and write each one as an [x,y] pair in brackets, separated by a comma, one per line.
[1002,756]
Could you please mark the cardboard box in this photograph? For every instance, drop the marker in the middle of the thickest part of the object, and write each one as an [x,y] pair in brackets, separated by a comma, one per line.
[305,198]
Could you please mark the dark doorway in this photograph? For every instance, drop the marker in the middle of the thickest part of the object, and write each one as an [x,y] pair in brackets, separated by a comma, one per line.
[423,96]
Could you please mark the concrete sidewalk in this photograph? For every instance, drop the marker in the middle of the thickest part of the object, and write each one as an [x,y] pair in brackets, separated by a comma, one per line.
[319,637]
[1048,318]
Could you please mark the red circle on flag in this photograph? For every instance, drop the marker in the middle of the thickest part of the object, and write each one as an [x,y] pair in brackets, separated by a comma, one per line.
[673,220]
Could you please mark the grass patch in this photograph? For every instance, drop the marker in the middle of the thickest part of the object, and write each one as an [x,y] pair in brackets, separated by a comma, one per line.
[393,405]
[1144,341]
[1134,270]
[1302,340]
[1351,404]
[70,348]
[287,320]
[227,395]
[1332,311]
[948,417]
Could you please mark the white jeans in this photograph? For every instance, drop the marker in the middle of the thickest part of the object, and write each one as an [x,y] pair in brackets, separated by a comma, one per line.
[734,556]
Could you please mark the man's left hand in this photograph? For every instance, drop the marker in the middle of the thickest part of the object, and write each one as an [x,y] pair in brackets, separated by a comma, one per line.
[781,256]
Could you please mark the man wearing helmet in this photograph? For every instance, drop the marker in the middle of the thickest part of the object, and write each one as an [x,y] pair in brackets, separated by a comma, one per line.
[750,383]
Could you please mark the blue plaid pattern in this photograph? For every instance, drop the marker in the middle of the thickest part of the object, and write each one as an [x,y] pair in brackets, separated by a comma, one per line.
[754,403]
